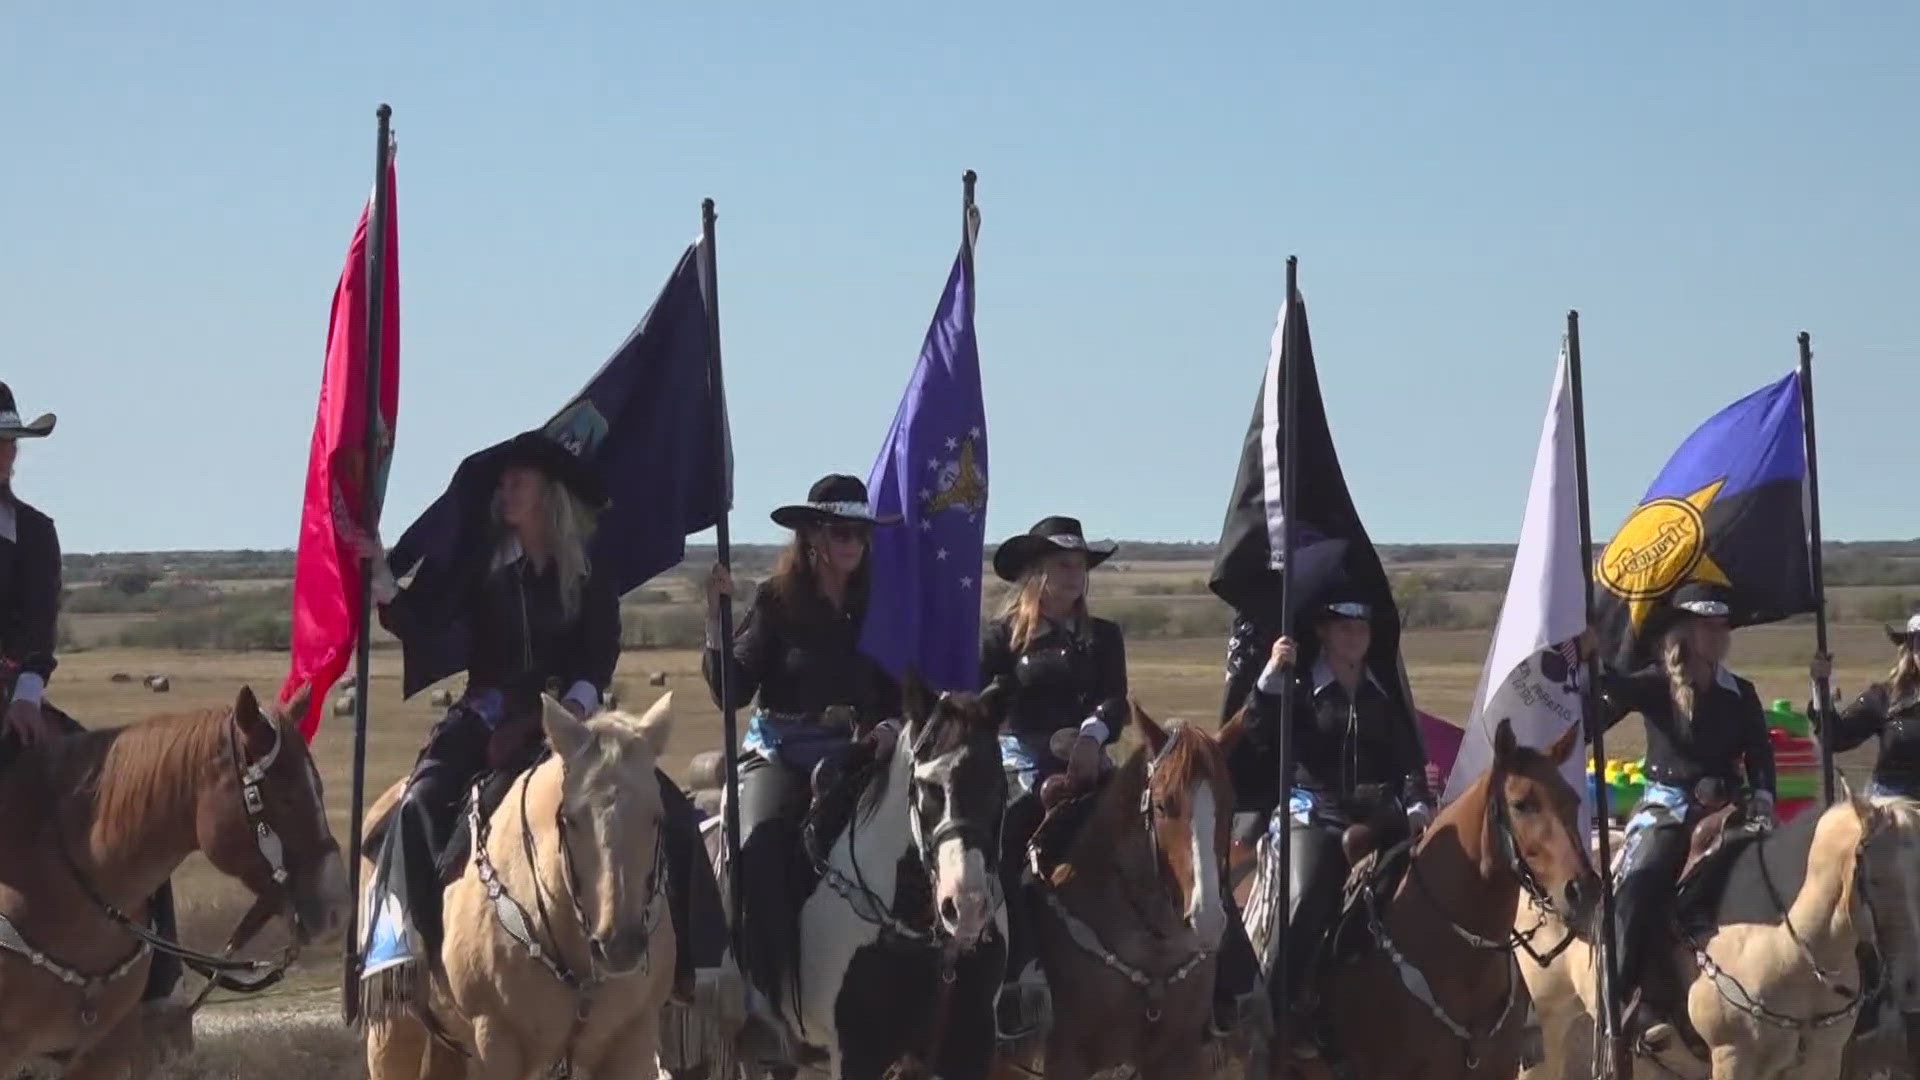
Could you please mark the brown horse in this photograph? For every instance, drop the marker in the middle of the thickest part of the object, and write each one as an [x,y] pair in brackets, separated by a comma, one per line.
[1134,913]
[1433,991]
[96,822]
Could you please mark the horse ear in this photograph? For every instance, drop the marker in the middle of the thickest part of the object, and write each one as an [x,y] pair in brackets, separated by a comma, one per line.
[295,707]
[656,726]
[1154,735]
[1232,731]
[1504,744]
[1563,746]
[565,733]
[257,729]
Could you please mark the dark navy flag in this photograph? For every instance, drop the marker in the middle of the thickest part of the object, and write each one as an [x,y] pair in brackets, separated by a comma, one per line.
[932,472]
[1729,509]
[645,422]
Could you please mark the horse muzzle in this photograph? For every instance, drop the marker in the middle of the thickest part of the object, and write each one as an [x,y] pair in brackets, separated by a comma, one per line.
[322,907]
[963,892]
[623,952]
[1579,899]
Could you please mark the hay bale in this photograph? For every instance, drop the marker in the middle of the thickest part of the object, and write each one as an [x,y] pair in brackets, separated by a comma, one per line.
[343,704]
[159,684]
[120,677]
[349,681]
[707,802]
[440,699]
[658,678]
[706,772]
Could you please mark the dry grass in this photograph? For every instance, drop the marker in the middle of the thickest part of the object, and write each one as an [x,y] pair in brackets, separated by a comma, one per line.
[1178,678]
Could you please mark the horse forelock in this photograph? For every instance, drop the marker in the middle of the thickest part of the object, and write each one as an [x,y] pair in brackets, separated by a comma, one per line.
[1190,756]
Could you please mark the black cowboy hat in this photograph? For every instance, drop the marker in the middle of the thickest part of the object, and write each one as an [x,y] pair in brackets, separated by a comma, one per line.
[1340,601]
[834,497]
[10,424]
[1048,535]
[1695,599]
[537,451]
[1902,635]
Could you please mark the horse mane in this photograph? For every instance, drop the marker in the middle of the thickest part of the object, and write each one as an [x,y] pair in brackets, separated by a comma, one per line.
[132,770]
[1101,842]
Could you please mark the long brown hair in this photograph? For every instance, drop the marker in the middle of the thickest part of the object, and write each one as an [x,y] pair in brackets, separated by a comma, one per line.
[1022,609]
[1904,679]
[796,585]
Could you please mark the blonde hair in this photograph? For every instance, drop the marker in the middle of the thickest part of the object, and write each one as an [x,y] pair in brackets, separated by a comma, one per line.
[1905,676]
[1022,609]
[1676,654]
[569,525]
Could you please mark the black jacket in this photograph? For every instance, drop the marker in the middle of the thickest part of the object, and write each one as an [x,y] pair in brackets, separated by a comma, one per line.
[29,588]
[1895,719]
[520,639]
[1727,728]
[1059,679]
[1339,745]
[801,658]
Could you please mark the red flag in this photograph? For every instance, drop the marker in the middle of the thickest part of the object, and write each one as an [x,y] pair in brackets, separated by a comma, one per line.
[326,573]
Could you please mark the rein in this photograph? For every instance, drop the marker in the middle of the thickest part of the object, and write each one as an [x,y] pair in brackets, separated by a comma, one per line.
[514,919]
[222,971]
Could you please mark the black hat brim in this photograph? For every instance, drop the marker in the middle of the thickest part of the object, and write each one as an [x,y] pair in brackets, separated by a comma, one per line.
[38,429]
[1012,558]
[1899,635]
[550,458]
[803,515]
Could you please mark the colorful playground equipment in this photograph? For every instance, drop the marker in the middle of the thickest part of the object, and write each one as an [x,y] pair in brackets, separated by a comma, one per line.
[1796,758]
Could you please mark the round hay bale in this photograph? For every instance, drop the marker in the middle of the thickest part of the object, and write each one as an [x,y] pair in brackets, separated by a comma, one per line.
[658,678]
[706,772]
[159,684]
[440,699]
[707,802]
[343,704]
[120,677]
[349,681]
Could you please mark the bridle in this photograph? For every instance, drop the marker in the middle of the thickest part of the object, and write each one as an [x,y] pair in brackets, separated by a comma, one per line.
[536,935]
[221,971]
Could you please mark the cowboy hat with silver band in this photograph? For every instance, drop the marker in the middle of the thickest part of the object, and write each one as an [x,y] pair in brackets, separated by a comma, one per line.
[834,497]
[10,424]
[1911,633]
[1048,536]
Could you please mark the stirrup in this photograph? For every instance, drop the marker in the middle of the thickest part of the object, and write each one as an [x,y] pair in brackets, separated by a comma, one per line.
[1029,1000]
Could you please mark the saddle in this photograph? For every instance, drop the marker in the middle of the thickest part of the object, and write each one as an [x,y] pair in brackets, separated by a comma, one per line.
[1067,808]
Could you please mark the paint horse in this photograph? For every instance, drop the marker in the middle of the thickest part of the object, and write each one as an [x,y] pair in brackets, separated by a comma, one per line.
[96,821]
[1423,981]
[559,949]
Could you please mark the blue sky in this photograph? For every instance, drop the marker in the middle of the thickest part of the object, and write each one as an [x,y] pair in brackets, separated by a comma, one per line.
[1702,181]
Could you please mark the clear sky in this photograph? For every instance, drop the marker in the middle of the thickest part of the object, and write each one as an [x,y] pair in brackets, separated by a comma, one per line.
[1701,181]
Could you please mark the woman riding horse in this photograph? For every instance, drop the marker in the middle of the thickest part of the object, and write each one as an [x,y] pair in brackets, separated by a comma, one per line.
[820,699]
[29,633]
[1357,758]
[1061,670]
[1701,721]
[536,614]
[1889,710]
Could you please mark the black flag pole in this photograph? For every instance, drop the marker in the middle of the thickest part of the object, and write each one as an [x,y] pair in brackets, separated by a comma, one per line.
[376,256]
[710,286]
[1816,558]
[1283,748]
[1590,711]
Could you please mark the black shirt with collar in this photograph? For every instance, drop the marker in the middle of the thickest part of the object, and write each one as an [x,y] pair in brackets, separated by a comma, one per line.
[802,657]
[1339,744]
[1058,679]
[1891,715]
[1728,727]
[30,586]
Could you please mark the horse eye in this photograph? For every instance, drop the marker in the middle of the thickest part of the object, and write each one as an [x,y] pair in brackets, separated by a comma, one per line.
[1526,804]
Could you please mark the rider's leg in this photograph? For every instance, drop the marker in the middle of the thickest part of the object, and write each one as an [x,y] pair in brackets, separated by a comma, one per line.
[163,974]
[1317,874]
[1023,978]
[456,753]
[772,798]
[699,921]
[1649,868]
[1236,971]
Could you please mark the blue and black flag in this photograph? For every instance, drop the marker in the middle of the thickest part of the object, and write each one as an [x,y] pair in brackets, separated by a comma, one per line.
[645,423]
[1729,509]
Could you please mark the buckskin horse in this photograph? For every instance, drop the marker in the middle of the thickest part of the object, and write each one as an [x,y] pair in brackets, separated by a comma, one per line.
[1423,982]
[1767,948]
[559,949]
[897,971]
[96,821]
[1133,909]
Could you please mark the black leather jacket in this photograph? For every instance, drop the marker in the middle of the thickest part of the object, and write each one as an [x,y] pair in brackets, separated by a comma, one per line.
[1894,718]
[1061,677]
[1347,752]
[29,587]
[802,658]
[1728,728]
[522,642]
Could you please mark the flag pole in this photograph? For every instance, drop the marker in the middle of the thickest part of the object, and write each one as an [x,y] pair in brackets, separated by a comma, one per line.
[1289,486]
[709,285]
[1816,559]
[1589,706]
[966,230]
[376,295]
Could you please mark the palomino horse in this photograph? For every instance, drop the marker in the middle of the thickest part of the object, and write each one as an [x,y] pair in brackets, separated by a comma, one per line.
[1429,990]
[558,953]
[895,966]
[97,821]
[1134,911]
[1783,988]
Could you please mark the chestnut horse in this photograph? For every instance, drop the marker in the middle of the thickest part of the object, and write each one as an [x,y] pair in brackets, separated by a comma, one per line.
[1133,913]
[94,823]
[1432,990]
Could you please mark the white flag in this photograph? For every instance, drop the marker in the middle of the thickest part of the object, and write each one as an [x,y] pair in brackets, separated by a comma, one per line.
[1532,672]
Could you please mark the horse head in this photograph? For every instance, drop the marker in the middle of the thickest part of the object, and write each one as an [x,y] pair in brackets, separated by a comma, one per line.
[1532,822]
[958,799]
[604,838]
[1188,803]
[264,820]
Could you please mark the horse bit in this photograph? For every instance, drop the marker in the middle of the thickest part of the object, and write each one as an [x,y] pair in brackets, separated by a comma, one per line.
[220,971]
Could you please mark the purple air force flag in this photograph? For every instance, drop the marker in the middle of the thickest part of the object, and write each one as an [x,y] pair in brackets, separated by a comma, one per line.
[932,473]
